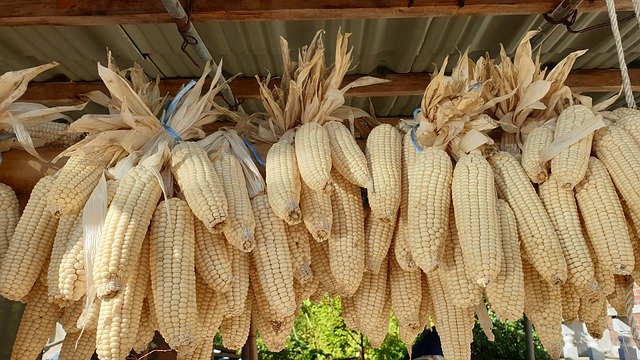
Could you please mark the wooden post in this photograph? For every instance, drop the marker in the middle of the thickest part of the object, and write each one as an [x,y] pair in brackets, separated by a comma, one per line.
[528,335]
[250,348]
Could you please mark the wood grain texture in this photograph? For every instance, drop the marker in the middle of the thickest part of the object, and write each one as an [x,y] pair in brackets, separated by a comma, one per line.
[103,12]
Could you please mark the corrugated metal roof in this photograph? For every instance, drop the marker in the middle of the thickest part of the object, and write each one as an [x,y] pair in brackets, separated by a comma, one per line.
[395,45]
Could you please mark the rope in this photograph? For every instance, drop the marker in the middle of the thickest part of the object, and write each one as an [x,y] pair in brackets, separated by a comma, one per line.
[626,82]
[636,9]
[629,303]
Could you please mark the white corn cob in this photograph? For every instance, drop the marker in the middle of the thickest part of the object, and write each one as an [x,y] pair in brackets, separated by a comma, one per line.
[401,247]
[82,350]
[570,303]
[66,266]
[234,299]
[313,154]
[346,155]
[9,215]
[370,299]
[378,236]
[299,245]
[406,294]
[538,139]
[384,153]
[73,185]
[316,213]
[235,329]
[212,258]
[283,182]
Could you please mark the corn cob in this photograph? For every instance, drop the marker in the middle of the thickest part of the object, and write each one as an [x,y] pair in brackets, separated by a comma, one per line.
[316,213]
[235,329]
[203,351]
[427,310]
[347,242]
[429,202]
[37,322]
[320,264]
[200,184]
[604,219]
[124,229]
[630,124]
[146,328]
[598,326]
[635,241]
[455,325]
[590,310]
[538,139]
[210,312]
[506,293]
[401,247]
[82,350]
[543,306]
[476,218]
[617,150]
[349,315]
[234,299]
[561,206]
[66,267]
[304,291]
[384,154]
[377,332]
[70,315]
[378,236]
[272,260]
[603,275]
[65,140]
[173,279]
[30,244]
[240,226]
[88,319]
[623,112]
[46,132]
[9,215]
[570,165]
[346,155]
[462,291]
[617,297]
[273,334]
[570,304]
[73,185]
[299,239]
[119,316]
[212,258]
[313,154]
[283,182]
[535,228]
[369,299]
[406,294]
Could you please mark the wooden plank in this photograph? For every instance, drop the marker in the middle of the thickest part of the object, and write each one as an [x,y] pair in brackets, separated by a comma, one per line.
[56,93]
[103,12]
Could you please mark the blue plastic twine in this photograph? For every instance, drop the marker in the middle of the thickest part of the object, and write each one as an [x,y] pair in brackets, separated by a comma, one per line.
[412,133]
[170,108]
[254,152]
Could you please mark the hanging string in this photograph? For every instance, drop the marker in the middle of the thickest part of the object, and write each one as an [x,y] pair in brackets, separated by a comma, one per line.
[626,82]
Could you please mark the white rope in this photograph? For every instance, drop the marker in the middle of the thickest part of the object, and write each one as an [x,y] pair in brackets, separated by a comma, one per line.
[626,82]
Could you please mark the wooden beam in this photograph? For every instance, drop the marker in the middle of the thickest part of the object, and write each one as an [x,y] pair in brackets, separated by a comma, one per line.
[56,93]
[103,12]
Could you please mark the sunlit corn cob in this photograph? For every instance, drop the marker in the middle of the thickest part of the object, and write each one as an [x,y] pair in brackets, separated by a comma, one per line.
[401,247]
[346,155]
[384,154]
[306,290]
[598,326]
[379,328]
[37,322]
[273,333]
[590,310]
[603,274]
[570,303]
[88,319]
[30,244]
[455,325]
[9,215]
[427,311]
[234,299]
[73,185]
[235,329]
[543,306]
[299,245]
[370,298]
[64,281]
[535,228]
[349,315]
[316,213]
[173,278]
[146,328]
[618,297]
[200,184]
[210,313]
[461,289]
[272,260]
[82,349]
[69,316]
[618,152]
[635,241]
[240,226]
[570,165]
[623,112]
[429,200]
[119,316]
[124,229]
[346,245]
[538,139]
[313,154]
[630,124]
[406,294]
[378,236]
[476,218]
[320,265]
[283,182]
[506,292]
[563,211]
[212,258]
[604,219]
